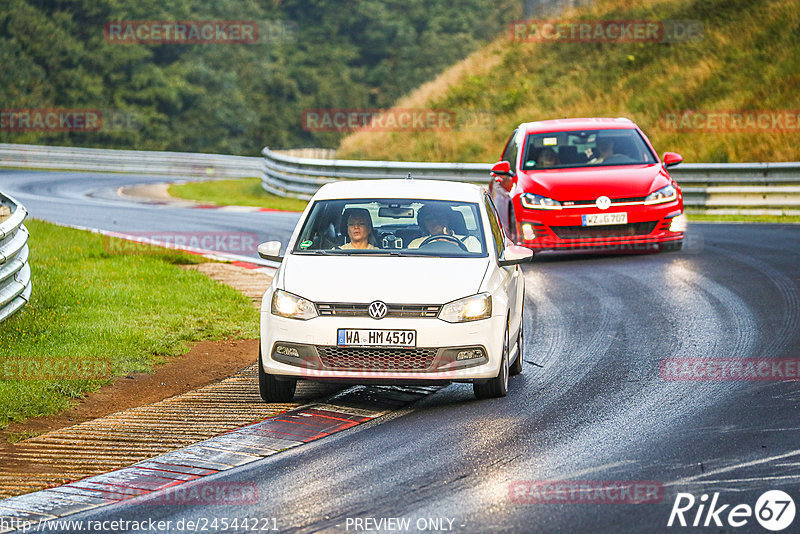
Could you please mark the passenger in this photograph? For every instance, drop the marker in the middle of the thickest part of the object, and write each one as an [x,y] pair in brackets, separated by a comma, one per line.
[547,158]
[605,149]
[359,230]
[434,220]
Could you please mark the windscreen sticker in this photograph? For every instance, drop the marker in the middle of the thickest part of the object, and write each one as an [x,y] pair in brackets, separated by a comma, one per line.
[306,244]
[550,141]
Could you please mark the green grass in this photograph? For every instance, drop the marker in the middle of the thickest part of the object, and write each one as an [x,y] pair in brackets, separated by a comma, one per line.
[705,217]
[91,304]
[747,59]
[237,192]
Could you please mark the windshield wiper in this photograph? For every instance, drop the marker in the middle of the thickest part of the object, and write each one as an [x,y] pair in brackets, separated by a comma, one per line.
[318,253]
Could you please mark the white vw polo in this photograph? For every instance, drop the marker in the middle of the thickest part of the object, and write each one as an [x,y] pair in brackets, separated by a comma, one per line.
[394,282]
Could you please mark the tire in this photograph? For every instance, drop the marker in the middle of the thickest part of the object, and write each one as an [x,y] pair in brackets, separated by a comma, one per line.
[497,386]
[516,367]
[272,389]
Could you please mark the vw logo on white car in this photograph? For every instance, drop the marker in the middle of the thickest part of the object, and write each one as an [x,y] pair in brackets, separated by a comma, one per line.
[377,310]
[603,203]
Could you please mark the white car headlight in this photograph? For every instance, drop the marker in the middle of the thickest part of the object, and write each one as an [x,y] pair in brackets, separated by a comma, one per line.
[665,194]
[538,202]
[467,309]
[286,304]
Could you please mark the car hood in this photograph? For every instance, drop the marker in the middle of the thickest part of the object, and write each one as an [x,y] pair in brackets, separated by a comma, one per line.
[401,280]
[589,183]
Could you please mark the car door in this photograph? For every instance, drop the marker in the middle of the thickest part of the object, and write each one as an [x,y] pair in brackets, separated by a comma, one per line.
[509,276]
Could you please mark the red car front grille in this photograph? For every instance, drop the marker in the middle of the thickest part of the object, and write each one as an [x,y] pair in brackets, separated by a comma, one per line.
[614,230]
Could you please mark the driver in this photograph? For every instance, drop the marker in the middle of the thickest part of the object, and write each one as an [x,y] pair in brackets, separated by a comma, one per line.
[605,149]
[434,220]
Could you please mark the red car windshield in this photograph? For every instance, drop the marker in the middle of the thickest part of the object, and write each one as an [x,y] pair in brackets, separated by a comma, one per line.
[585,148]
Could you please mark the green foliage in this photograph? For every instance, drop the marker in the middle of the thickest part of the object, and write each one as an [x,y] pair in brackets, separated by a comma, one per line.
[229,98]
[747,58]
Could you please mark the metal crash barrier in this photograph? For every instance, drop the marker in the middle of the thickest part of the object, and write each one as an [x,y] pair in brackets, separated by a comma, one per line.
[15,272]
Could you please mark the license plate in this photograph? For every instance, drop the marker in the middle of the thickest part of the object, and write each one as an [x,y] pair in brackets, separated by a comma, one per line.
[600,219]
[352,337]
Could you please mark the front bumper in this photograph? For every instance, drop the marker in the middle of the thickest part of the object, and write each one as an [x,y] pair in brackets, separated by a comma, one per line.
[444,352]
[647,228]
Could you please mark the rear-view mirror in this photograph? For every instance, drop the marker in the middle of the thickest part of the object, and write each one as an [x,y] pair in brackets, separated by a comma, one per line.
[502,168]
[514,254]
[271,250]
[671,159]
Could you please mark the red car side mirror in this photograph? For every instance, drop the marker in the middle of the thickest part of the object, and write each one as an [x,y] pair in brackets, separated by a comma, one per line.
[671,159]
[502,168]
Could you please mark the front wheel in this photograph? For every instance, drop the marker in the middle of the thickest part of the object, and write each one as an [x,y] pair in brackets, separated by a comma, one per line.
[272,389]
[497,386]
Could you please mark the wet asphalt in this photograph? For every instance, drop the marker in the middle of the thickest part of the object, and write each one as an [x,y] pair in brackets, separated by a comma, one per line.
[596,404]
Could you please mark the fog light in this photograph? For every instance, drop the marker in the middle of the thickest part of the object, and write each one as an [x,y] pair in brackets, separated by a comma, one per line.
[469,354]
[287,351]
[678,224]
[527,232]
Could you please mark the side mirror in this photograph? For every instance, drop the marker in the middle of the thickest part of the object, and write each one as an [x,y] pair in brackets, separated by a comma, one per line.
[515,254]
[502,168]
[671,159]
[271,250]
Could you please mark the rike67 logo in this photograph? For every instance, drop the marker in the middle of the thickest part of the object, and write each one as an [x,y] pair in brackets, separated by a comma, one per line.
[774,510]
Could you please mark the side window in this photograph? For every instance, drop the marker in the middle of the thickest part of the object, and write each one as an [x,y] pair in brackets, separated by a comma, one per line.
[498,236]
[510,152]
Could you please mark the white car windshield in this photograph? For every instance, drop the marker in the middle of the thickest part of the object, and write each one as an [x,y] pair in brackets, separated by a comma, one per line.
[402,227]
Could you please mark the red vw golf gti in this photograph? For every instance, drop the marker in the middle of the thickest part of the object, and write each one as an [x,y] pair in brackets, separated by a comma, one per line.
[587,184]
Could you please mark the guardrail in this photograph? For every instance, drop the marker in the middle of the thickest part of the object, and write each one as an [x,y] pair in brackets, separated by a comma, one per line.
[774,186]
[705,185]
[15,272]
[290,176]
[130,161]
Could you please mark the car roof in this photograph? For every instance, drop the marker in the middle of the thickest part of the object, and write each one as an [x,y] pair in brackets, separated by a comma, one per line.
[560,125]
[413,189]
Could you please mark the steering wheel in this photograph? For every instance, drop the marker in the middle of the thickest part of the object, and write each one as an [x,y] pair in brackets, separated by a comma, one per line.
[445,237]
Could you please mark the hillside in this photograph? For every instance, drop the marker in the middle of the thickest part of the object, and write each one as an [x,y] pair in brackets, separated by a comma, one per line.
[746,58]
[213,96]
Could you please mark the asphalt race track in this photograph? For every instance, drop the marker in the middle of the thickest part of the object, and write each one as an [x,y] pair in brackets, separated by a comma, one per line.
[596,400]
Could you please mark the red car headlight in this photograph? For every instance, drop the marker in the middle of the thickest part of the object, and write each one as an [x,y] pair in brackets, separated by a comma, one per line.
[538,202]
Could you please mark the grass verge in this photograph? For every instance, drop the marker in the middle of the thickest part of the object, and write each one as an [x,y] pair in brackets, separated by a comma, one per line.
[96,313]
[710,217]
[236,192]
